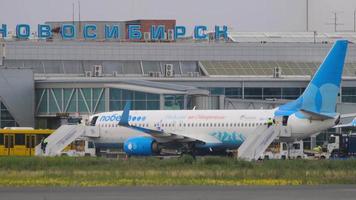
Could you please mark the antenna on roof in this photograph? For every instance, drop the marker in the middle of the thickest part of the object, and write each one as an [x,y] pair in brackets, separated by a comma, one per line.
[79,23]
[335,22]
[73,12]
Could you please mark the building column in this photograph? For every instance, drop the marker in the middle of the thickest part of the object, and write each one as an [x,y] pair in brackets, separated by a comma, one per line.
[221,102]
[107,99]
[161,101]
[185,102]
[313,141]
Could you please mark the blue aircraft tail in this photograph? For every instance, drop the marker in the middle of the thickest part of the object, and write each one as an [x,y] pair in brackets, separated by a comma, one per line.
[321,94]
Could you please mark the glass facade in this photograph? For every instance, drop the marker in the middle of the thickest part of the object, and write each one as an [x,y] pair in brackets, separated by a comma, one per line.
[348,94]
[233,93]
[139,100]
[253,93]
[6,119]
[91,100]
[173,102]
[71,100]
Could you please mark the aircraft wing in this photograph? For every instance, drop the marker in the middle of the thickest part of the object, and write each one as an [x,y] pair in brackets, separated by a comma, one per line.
[161,134]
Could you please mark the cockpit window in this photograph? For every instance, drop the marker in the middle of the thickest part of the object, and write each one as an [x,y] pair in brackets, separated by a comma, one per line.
[93,121]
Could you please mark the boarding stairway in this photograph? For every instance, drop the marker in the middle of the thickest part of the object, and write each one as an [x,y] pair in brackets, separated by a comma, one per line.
[63,136]
[256,143]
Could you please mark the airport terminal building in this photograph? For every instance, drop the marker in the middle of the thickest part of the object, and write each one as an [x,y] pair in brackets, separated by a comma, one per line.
[44,81]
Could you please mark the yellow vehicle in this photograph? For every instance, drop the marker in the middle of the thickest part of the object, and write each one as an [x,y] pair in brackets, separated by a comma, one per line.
[21,141]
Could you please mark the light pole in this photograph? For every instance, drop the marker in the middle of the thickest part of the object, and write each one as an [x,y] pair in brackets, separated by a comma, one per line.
[355,20]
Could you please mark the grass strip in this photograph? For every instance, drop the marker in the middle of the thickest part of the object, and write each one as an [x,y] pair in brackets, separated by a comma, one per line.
[68,171]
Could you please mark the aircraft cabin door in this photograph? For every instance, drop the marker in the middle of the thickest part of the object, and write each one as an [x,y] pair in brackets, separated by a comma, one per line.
[30,144]
[9,143]
[285,120]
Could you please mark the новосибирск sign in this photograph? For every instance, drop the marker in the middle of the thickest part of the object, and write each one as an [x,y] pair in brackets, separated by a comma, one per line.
[89,31]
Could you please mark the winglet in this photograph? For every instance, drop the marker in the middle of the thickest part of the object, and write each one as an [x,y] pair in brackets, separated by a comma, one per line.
[124,121]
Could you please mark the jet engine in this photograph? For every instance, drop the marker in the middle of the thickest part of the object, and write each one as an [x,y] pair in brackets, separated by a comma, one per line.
[141,146]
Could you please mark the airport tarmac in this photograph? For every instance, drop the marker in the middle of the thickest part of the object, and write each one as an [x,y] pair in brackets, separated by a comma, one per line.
[333,192]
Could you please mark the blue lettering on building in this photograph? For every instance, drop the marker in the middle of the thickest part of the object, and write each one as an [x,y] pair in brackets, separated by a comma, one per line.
[135,32]
[199,32]
[23,31]
[3,30]
[89,31]
[179,31]
[157,32]
[44,31]
[220,33]
[68,31]
[112,31]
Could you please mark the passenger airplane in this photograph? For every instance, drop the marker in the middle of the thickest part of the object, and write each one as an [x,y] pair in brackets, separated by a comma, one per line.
[210,131]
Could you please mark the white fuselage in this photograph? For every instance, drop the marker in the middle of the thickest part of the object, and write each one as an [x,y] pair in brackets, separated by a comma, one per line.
[229,127]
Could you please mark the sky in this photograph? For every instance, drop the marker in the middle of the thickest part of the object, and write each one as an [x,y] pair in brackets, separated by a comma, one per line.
[238,15]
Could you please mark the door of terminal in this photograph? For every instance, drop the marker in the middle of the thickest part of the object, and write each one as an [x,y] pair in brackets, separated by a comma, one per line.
[30,145]
[9,140]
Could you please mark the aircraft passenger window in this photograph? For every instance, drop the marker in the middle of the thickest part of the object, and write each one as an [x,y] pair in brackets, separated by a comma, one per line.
[231,124]
[222,124]
[218,124]
[188,125]
[203,124]
[211,124]
[184,125]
